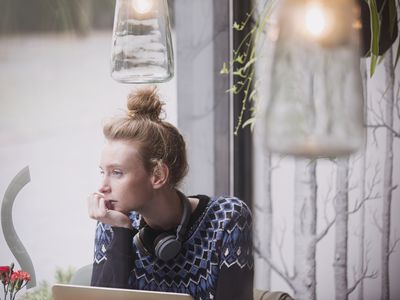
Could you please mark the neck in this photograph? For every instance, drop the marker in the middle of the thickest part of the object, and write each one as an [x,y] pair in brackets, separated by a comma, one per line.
[165,210]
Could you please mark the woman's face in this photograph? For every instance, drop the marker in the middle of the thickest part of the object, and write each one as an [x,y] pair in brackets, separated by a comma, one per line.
[126,185]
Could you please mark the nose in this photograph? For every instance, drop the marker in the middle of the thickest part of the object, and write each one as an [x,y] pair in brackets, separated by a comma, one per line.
[104,186]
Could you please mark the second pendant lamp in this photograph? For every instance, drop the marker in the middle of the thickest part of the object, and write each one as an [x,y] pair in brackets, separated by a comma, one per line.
[316,103]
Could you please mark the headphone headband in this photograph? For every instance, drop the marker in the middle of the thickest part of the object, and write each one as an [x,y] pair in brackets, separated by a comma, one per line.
[182,227]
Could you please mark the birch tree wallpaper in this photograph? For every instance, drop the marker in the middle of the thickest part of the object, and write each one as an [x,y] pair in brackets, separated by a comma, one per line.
[330,228]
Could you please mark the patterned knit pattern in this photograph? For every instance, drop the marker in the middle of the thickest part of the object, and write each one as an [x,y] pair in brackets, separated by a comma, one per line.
[221,238]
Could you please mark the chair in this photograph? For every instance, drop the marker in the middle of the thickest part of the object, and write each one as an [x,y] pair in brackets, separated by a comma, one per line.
[82,276]
[267,295]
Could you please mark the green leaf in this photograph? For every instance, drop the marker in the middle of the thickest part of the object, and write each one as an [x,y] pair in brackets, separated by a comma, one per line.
[253,94]
[375,27]
[239,72]
[249,122]
[237,27]
[374,59]
[224,69]
[249,63]
[244,57]
[240,59]
[233,89]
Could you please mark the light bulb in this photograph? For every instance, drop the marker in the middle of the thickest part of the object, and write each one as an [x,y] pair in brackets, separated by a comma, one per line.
[315,20]
[142,6]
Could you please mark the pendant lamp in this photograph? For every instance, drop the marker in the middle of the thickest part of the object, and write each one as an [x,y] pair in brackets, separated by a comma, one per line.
[141,42]
[315,107]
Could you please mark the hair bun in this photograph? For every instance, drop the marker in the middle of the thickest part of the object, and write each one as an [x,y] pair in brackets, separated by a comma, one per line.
[145,103]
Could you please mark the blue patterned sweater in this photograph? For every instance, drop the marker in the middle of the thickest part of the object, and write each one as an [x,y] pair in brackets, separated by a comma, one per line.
[215,261]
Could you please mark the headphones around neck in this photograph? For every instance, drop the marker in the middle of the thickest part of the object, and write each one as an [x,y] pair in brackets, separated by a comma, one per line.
[165,245]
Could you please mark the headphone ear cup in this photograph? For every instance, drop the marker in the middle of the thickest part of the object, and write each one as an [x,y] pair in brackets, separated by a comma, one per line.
[166,246]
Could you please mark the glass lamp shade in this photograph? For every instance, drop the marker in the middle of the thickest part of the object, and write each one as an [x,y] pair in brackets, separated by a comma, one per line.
[316,104]
[141,43]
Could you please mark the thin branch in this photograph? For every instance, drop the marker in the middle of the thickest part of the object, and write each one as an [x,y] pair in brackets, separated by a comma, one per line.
[380,121]
[383,97]
[280,247]
[395,133]
[393,247]
[397,106]
[363,276]
[374,217]
[274,267]
[380,107]
[377,119]
[326,207]
[354,274]
[328,197]
[374,182]
[361,203]
[325,231]
[279,159]
[375,139]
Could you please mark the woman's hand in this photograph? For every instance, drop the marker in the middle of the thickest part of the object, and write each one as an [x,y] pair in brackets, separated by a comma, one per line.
[99,210]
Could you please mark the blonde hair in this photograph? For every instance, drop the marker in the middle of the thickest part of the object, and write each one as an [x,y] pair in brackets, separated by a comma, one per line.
[159,141]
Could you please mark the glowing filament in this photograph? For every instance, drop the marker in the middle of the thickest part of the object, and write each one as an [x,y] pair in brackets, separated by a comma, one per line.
[315,20]
[142,6]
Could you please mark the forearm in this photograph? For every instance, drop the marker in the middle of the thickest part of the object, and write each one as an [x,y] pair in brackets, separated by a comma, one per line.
[114,271]
[235,283]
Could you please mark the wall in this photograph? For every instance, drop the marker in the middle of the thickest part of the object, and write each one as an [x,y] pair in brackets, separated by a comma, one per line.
[55,92]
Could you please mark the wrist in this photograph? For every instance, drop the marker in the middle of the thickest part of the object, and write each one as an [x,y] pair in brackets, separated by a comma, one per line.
[127,225]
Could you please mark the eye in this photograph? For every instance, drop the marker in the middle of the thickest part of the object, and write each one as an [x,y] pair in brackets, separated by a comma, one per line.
[101,172]
[117,173]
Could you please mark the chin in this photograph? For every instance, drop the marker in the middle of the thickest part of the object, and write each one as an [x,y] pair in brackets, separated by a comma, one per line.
[137,208]
[122,210]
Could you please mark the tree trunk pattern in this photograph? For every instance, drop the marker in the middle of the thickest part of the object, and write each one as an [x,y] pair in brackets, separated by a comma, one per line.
[341,233]
[268,212]
[387,178]
[361,226]
[305,212]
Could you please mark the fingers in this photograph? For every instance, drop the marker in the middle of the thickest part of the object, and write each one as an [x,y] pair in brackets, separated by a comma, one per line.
[96,206]
[97,210]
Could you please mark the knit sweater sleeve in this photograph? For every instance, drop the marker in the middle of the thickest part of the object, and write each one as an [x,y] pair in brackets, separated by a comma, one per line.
[114,256]
[235,280]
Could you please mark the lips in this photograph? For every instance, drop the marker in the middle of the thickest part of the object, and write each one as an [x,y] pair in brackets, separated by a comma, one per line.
[110,204]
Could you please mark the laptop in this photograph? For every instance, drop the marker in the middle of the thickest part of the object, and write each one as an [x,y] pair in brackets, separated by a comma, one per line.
[78,292]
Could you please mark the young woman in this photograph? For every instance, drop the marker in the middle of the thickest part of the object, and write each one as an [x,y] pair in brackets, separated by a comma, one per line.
[149,235]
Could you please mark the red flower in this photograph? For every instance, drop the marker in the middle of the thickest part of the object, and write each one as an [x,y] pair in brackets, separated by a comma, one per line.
[14,277]
[13,281]
[20,275]
[4,274]
[18,280]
